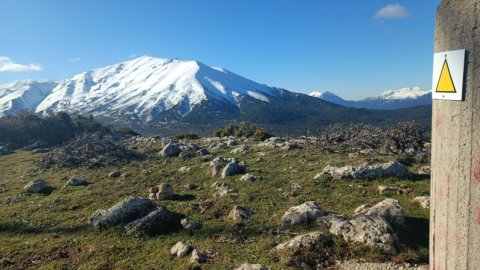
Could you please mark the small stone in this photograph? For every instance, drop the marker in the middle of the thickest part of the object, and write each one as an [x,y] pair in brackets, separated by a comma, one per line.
[197,257]
[77,181]
[165,192]
[424,201]
[425,170]
[36,186]
[180,249]
[249,177]
[114,174]
[184,169]
[248,266]
[189,224]
[238,213]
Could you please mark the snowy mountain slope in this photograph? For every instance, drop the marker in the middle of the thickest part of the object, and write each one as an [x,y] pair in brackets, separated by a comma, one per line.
[25,95]
[388,100]
[147,86]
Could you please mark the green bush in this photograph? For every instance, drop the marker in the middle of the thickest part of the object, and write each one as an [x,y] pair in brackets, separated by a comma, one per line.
[27,128]
[127,131]
[188,136]
[245,130]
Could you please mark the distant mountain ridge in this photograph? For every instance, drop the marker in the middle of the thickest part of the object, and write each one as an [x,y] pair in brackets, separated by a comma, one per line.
[388,100]
[168,95]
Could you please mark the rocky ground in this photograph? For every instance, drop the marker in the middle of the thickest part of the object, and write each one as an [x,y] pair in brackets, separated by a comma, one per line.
[214,203]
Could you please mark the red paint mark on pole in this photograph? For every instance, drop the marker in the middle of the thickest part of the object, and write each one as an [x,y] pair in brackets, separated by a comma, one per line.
[478,216]
[476,170]
[449,177]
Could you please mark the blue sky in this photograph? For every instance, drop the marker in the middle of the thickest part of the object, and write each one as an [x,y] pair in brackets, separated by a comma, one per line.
[352,48]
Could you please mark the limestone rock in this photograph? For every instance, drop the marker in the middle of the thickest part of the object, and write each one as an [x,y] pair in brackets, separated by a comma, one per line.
[249,177]
[309,240]
[424,201]
[189,224]
[114,174]
[157,220]
[165,192]
[222,189]
[242,149]
[425,170]
[125,211]
[171,150]
[180,249]
[77,181]
[398,190]
[304,213]
[389,169]
[233,167]
[36,186]
[238,213]
[372,231]
[389,209]
[248,266]
[197,257]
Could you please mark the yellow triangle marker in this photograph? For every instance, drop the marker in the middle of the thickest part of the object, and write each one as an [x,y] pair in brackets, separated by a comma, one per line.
[445,83]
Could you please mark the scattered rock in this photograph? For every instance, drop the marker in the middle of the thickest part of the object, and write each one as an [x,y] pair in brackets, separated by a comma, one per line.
[114,174]
[77,181]
[238,213]
[171,150]
[389,209]
[390,169]
[162,192]
[248,266]
[232,142]
[222,189]
[157,220]
[242,149]
[290,146]
[202,152]
[180,249]
[184,169]
[37,186]
[304,213]
[189,224]
[315,240]
[125,211]
[191,186]
[398,190]
[372,231]
[250,177]
[425,170]
[424,201]
[197,257]
[233,167]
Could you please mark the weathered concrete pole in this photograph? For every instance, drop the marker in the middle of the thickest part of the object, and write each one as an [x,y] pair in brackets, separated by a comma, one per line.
[455,186]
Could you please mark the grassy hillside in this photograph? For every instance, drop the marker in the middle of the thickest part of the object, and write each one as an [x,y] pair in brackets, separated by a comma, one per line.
[49,231]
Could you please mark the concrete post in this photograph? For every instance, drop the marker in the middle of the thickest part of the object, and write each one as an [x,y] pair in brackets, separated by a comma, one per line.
[455,186]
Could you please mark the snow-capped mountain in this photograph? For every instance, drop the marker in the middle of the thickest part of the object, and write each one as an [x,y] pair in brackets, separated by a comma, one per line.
[167,95]
[388,100]
[24,95]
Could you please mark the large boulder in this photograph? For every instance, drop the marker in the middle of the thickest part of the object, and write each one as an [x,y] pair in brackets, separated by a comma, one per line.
[155,221]
[171,150]
[372,231]
[389,169]
[389,209]
[304,213]
[249,177]
[125,211]
[37,186]
[315,240]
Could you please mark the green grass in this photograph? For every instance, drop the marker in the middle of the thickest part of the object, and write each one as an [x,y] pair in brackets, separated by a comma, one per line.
[49,231]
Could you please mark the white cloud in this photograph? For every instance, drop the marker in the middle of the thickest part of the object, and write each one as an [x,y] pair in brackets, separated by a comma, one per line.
[74,60]
[395,11]
[6,64]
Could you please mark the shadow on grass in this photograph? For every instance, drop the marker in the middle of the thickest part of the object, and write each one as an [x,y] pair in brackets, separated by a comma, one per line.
[184,197]
[415,234]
